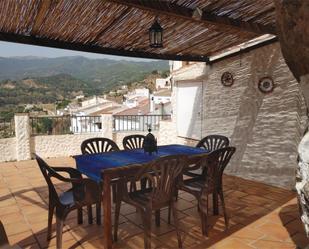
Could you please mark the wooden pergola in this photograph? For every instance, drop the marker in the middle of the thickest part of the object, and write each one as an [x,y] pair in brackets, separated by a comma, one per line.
[194,30]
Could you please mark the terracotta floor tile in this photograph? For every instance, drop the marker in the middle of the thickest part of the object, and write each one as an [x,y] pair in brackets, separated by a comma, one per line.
[232,243]
[268,242]
[16,228]
[182,204]
[257,213]
[170,240]
[275,230]
[248,234]
[66,236]
[22,239]
[128,229]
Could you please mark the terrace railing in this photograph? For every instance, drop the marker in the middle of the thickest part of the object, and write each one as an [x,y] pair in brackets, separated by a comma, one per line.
[7,128]
[59,125]
[138,122]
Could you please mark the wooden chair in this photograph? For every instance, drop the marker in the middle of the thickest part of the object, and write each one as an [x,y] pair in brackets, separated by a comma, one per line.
[84,192]
[98,145]
[209,143]
[164,172]
[133,142]
[214,164]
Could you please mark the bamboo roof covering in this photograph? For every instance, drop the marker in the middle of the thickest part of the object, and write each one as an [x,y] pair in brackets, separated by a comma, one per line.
[193,29]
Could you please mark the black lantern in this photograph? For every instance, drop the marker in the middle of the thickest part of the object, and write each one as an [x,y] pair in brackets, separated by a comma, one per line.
[150,143]
[156,35]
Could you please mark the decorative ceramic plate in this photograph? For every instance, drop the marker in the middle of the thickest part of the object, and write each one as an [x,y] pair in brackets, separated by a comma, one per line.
[227,79]
[266,85]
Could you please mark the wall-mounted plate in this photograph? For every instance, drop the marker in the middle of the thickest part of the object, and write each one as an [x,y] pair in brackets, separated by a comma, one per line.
[227,79]
[266,85]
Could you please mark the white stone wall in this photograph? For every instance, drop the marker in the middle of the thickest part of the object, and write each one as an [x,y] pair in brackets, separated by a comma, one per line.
[264,128]
[22,133]
[168,135]
[59,145]
[8,149]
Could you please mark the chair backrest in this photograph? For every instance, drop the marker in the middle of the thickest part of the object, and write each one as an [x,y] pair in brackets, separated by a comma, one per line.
[165,171]
[98,145]
[213,142]
[133,142]
[48,173]
[215,164]
[3,236]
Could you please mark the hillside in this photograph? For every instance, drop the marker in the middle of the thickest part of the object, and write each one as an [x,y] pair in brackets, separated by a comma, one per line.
[30,80]
[103,73]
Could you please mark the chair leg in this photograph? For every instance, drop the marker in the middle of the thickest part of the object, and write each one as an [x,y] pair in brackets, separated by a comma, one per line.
[169,214]
[59,229]
[176,223]
[215,203]
[51,210]
[176,194]
[117,213]
[98,213]
[90,217]
[114,192]
[224,210]
[146,217]
[79,216]
[203,210]
[204,223]
[157,217]
[143,183]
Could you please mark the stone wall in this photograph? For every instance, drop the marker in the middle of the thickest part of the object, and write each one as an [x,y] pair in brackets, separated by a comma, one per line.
[59,145]
[265,128]
[168,135]
[8,149]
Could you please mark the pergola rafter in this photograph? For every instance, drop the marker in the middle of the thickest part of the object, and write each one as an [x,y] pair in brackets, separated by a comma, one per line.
[169,8]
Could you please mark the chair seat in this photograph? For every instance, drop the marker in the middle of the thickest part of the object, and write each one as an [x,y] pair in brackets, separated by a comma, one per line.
[195,186]
[141,198]
[67,198]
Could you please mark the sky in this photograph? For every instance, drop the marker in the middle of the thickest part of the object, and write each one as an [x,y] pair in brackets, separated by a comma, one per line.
[10,49]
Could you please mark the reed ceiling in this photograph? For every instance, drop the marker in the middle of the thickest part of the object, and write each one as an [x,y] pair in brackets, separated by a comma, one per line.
[193,30]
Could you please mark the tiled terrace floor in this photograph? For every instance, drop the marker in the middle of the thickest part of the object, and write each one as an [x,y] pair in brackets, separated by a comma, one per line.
[261,216]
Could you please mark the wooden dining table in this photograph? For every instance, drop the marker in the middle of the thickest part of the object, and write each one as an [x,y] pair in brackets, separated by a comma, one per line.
[108,166]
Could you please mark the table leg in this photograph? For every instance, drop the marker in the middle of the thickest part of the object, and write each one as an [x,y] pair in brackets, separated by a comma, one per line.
[107,227]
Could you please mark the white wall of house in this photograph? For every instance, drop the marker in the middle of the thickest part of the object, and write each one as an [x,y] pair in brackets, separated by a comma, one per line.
[82,124]
[264,128]
[163,83]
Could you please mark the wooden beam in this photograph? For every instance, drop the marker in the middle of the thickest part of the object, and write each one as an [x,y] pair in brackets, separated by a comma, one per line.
[32,40]
[171,9]
[247,26]
[245,50]
[43,9]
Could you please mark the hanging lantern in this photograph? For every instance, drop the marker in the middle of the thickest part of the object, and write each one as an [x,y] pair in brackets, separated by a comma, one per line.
[156,35]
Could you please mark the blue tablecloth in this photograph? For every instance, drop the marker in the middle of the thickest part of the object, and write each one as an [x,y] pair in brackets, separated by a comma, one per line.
[92,165]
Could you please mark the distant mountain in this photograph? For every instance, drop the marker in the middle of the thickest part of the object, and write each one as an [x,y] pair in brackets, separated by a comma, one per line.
[104,73]
[26,80]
